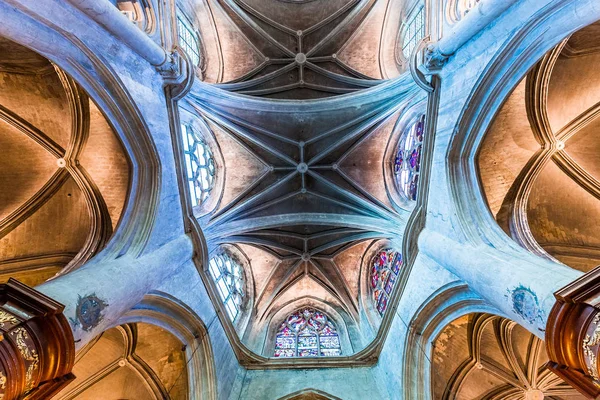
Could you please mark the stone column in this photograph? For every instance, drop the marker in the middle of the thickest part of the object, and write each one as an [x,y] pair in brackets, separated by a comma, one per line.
[520,285]
[98,294]
[455,36]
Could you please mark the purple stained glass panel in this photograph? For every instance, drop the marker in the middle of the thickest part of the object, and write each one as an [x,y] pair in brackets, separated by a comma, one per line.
[382,305]
[390,283]
[397,263]
[419,130]
[414,158]
[374,277]
[412,189]
[383,277]
[407,160]
[398,161]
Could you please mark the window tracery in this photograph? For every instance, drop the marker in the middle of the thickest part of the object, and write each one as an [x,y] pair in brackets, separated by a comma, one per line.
[307,333]
[200,165]
[457,9]
[228,276]
[413,31]
[385,267]
[188,40]
[407,162]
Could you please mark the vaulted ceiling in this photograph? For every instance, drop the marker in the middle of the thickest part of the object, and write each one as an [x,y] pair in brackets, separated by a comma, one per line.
[304,193]
[483,356]
[298,49]
[304,184]
[132,361]
[63,173]
[538,162]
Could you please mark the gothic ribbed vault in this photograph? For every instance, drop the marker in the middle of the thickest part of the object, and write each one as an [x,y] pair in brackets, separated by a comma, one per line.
[64,176]
[305,122]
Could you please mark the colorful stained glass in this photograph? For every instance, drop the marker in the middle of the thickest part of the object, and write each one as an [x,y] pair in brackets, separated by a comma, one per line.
[307,341]
[330,352]
[329,342]
[284,353]
[200,165]
[283,342]
[407,162]
[385,268]
[307,333]
[228,275]
[308,353]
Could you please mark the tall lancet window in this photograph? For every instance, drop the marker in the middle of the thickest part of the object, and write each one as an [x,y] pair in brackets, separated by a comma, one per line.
[307,333]
[228,275]
[385,267]
[199,163]
[407,163]
[414,31]
[188,40]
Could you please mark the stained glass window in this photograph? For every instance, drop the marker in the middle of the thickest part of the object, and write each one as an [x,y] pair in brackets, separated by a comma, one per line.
[228,275]
[307,333]
[385,267]
[188,39]
[200,165]
[413,31]
[407,163]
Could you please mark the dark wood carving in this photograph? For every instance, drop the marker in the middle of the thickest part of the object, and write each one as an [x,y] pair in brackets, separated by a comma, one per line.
[573,334]
[37,349]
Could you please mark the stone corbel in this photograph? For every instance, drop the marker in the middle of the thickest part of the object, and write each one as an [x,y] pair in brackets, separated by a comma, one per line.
[178,73]
[37,349]
[573,334]
[434,60]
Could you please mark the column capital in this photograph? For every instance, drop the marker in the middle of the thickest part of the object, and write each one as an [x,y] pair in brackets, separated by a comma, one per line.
[37,350]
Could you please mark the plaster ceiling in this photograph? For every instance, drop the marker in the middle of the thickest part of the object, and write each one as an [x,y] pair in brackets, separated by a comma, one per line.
[53,216]
[482,356]
[555,186]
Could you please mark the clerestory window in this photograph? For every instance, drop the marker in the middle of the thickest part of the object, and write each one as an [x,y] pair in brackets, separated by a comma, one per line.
[414,31]
[407,162]
[188,40]
[200,165]
[385,267]
[228,275]
[307,333]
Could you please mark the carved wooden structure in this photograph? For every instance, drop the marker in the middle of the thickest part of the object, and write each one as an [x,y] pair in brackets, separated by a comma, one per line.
[573,334]
[37,351]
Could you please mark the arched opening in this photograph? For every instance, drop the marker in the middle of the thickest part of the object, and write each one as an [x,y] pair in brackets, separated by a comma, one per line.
[65,175]
[307,333]
[537,169]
